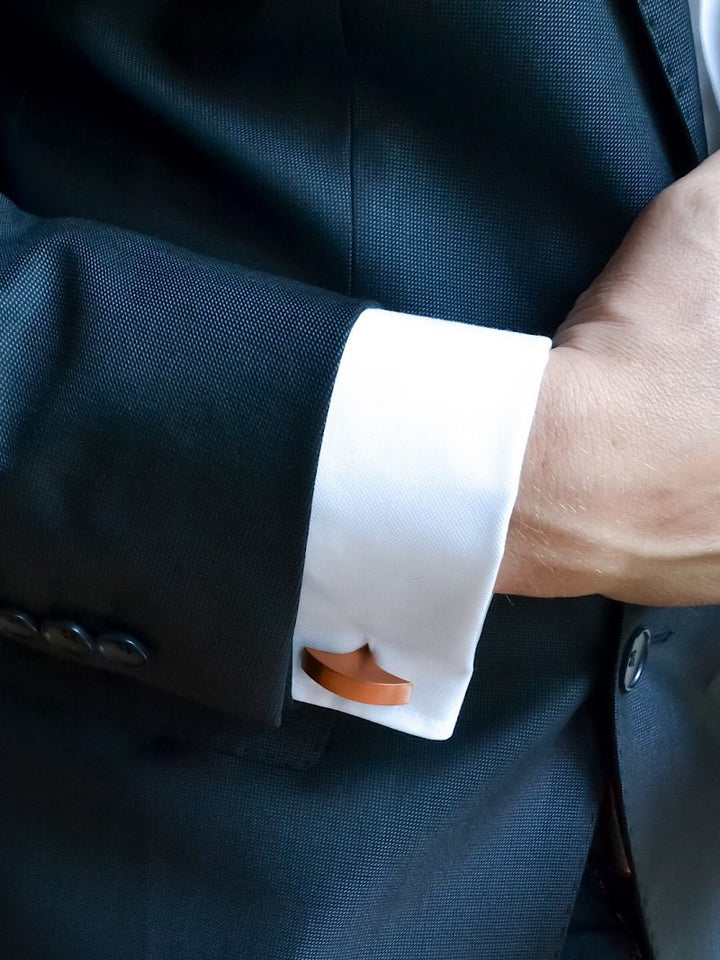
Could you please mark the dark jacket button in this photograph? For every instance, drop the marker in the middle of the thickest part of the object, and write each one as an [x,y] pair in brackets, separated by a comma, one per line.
[67,636]
[122,649]
[634,659]
[17,624]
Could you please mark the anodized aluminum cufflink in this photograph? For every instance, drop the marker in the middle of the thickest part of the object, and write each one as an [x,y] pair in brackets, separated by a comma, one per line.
[356,676]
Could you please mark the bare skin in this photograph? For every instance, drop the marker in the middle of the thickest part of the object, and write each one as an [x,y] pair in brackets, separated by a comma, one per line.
[620,487]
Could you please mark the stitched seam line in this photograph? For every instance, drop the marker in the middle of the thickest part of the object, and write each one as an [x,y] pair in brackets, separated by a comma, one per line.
[350,120]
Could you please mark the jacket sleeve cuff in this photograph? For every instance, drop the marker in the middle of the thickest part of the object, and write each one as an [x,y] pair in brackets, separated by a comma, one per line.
[417,477]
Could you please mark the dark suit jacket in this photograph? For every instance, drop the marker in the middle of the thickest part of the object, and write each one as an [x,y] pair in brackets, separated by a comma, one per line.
[198,198]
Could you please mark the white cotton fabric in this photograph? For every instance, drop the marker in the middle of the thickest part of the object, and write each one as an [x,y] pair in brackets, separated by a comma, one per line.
[417,477]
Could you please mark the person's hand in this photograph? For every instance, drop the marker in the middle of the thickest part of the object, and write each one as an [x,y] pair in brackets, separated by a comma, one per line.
[620,487]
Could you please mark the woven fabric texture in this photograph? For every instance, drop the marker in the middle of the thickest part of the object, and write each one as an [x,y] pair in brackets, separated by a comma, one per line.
[197,201]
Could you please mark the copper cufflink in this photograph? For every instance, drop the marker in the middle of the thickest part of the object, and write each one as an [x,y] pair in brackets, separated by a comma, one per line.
[356,676]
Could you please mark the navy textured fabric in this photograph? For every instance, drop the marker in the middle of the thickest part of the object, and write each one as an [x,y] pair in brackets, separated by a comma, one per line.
[595,932]
[197,201]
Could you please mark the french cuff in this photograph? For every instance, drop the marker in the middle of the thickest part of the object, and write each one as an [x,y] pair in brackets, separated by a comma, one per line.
[417,477]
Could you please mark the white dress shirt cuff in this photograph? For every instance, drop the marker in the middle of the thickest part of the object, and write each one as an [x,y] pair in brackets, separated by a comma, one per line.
[417,477]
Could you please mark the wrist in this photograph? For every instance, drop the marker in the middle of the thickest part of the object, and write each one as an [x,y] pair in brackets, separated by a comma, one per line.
[552,548]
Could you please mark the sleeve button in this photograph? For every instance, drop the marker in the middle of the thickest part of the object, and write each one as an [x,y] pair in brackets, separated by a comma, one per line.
[17,624]
[122,649]
[67,636]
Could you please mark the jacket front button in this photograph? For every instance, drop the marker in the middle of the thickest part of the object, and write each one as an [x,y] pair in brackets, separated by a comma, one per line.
[122,649]
[17,624]
[634,659]
[67,636]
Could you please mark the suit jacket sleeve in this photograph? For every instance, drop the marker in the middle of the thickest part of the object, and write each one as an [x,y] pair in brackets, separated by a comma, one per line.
[161,418]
